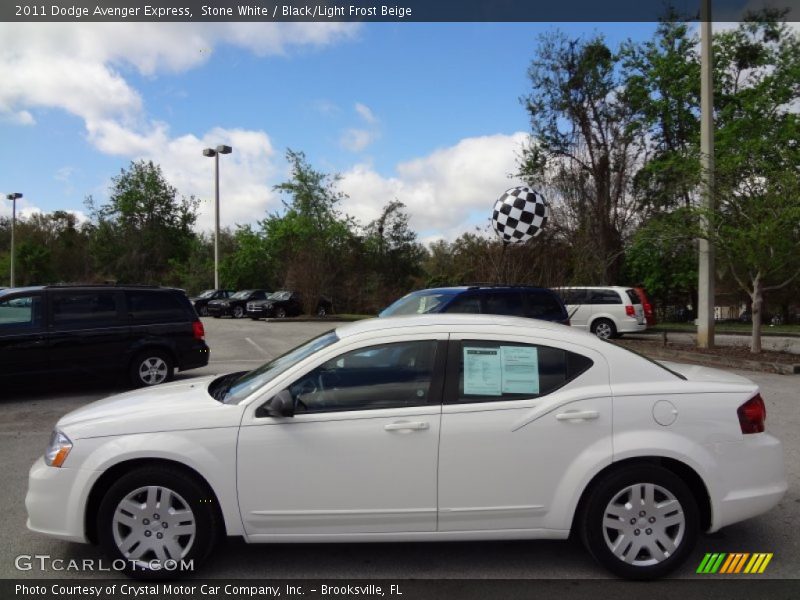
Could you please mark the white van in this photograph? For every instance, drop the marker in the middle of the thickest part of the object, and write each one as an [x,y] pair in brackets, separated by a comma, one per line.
[605,311]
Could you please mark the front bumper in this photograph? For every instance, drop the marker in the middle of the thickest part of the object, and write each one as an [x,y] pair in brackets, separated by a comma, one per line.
[218,311]
[54,502]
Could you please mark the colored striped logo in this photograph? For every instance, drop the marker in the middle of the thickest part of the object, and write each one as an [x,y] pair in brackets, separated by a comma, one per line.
[734,562]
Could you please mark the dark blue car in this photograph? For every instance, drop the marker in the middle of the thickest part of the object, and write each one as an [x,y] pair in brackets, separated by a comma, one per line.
[517,301]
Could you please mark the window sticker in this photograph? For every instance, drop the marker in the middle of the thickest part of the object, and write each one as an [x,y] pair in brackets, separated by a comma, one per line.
[520,370]
[482,371]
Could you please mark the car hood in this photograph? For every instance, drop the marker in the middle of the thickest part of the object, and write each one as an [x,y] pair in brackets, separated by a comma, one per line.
[698,373]
[167,407]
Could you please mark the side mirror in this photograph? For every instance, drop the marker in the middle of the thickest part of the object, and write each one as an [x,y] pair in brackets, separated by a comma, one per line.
[280,405]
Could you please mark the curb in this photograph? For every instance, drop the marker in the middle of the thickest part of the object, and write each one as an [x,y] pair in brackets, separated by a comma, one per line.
[719,361]
[658,329]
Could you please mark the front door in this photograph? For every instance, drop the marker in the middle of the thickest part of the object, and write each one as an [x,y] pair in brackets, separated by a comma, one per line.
[360,454]
[23,348]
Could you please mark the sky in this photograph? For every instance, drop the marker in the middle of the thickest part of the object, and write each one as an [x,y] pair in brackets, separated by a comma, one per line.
[426,113]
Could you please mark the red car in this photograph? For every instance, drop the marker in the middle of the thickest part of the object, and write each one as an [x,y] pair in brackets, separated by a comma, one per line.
[649,312]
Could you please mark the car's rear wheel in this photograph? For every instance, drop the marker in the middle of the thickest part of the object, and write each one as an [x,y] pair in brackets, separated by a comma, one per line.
[640,522]
[238,312]
[151,367]
[604,329]
[322,311]
[157,519]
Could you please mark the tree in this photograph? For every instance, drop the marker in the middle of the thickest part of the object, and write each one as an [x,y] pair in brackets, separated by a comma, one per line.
[144,228]
[583,147]
[756,228]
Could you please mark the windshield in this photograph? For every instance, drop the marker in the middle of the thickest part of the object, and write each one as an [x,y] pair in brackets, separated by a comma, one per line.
[249,382]
[206,294]
[416,304]
[241,295]
[280,296]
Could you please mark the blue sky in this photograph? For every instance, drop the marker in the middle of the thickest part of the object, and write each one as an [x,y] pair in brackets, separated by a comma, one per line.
[427,113]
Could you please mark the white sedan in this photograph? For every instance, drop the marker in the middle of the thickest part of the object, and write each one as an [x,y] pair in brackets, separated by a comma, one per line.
[434,427]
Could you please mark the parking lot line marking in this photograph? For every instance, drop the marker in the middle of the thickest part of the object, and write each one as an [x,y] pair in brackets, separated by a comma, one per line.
[257,347]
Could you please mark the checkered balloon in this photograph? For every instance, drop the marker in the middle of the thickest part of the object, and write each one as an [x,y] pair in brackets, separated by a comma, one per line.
[519,214]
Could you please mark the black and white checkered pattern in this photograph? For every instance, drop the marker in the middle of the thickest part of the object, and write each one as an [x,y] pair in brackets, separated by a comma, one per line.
[519,214]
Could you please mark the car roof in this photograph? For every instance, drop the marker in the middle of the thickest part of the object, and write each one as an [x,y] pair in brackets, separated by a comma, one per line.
[596,287]
[86,286]
[461,321]
[483,287]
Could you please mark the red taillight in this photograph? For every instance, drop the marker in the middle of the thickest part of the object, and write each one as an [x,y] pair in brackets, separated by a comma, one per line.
[630,311]
[752,415]
[648,309]
[198,331]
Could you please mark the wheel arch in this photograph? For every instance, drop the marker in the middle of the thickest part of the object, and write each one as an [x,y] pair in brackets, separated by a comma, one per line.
[113,473]
[686,473]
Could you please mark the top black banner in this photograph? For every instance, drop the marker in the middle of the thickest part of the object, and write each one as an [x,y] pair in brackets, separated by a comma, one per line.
[383,10]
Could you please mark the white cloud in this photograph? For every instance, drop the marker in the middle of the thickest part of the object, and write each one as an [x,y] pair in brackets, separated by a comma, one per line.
[444,192]
[357,139]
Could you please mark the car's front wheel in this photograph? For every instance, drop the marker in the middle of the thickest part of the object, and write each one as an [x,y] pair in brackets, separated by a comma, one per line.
[280,312]
[151,367]
[640,522]
[238,312]
[158,520]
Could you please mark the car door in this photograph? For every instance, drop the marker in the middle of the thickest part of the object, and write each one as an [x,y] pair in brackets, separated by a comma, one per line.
[87,330]
[360,454]
[578,308]
[525,424]
[23,347]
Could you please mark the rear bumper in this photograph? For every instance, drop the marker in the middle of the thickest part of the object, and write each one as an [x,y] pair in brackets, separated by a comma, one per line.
[630,325]
[194,358]
[749,479]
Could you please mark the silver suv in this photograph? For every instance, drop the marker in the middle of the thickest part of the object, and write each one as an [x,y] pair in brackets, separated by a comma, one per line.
[605,311]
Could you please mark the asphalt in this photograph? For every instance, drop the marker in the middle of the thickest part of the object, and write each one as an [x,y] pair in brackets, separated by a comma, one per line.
[29,414]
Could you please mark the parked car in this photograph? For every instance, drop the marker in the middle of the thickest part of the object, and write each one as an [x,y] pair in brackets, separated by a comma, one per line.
[236,305]
[423,428]
[201,301]
[518,301]
[284,304]
[144,332]
[607,312]
[647,305]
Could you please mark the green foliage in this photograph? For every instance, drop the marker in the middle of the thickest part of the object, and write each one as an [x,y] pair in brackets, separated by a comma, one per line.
[144,228]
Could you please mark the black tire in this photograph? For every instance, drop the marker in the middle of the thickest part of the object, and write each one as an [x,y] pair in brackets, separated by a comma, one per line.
[254,318]
[322,311]
[207,525]
[215,316]
[161,368]
[604,329]
[238,312]
[597,536]
[280,312]
[203,311]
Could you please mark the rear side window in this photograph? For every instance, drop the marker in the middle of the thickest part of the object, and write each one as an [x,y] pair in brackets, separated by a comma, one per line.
[605,297]
[153,306]
[20,312]
[83,308]
[505,303]
[544,305]
[496,371]
[575,296]
[465,304]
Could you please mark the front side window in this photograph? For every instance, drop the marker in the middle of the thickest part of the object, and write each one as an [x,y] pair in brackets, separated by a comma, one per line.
[493,371]
[605,297]
[470,304]
[416,304]
[385,376]
[20,311]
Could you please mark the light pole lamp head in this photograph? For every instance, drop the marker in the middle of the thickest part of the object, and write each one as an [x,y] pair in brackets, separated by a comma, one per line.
[14,196]
[210,152]
[222,149]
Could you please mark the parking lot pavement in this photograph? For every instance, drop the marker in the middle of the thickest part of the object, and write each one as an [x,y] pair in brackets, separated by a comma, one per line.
[28,416]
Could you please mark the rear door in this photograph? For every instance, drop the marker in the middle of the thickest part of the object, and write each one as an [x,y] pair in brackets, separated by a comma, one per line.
[87,331]
[23,347]
[159,318]
[524,427]
[578,308]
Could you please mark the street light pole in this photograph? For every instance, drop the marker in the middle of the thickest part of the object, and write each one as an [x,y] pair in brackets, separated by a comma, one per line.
[706,271]
[211,152]
[13,197]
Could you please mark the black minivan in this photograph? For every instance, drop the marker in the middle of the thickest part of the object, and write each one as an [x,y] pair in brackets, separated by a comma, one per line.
[144,332]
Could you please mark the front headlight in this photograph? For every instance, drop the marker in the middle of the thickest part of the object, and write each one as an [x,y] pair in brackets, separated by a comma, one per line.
[58,449]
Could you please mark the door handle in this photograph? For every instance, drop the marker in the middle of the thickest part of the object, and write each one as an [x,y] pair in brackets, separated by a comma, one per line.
[406,426]
[577,415]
